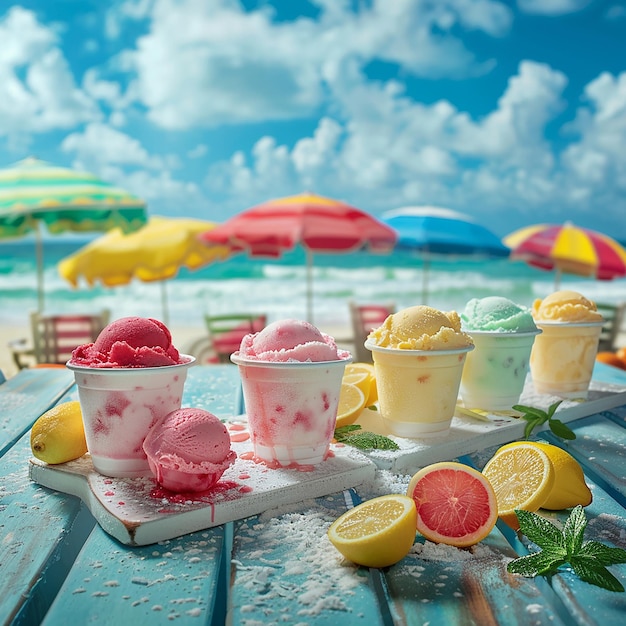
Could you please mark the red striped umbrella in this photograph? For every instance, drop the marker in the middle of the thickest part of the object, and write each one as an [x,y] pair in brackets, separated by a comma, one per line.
[317,223]
[570,249]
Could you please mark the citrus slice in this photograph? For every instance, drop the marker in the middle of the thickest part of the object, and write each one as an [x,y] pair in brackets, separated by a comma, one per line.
[570,488]
[455,504]
[376,533]
[58,435]
[361,367]
[522,477]
[361,379]
[351,403]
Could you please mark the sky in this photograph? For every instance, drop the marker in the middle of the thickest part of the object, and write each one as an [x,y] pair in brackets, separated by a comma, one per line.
[513,112]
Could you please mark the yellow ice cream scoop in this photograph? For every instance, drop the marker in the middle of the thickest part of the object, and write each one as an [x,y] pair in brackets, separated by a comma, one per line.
[566,306]
[421,328]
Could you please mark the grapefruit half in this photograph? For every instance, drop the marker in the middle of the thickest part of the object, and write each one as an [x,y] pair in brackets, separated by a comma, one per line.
[455,504]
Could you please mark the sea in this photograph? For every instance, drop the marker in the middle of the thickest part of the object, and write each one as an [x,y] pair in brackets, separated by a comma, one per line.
[278,287]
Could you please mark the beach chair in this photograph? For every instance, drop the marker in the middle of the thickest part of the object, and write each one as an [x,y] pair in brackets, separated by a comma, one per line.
[614,317]
[227,331]
[55,336]
[364,318]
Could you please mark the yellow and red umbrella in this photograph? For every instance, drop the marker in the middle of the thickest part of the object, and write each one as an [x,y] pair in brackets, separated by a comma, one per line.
[568,249]
[317,223]
[155,252]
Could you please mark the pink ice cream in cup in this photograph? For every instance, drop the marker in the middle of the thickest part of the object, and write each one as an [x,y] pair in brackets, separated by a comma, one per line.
[127,380]
[291,375]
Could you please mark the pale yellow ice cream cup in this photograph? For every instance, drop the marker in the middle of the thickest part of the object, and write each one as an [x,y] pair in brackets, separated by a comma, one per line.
[563,356]
[417,389]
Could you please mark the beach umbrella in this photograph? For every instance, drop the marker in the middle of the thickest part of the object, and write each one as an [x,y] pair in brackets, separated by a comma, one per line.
[317,223]
[34,193]
[155,252]
[570,249]
[437,231]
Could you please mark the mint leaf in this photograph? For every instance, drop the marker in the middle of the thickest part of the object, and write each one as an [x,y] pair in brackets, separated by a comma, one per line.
[588,559]
[537,564]
[531,411]
[603,554]
[541,531]
[574,530]
[353,435]
[560,429]
[536,417]
[595,575]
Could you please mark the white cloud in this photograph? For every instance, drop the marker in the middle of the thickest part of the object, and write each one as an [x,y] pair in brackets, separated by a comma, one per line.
[37,90]
[598,157]
[100,145]
[208,62]
[393,151]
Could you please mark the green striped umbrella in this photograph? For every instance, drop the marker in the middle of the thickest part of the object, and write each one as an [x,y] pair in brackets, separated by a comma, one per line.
[33,192]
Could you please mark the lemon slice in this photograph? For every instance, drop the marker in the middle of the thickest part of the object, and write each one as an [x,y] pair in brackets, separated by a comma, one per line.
[58,435]
[522,477]
[570,488]
[351,403]
[360,368]
[376,533]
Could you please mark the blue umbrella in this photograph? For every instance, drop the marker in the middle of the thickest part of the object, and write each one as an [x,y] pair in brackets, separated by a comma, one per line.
[432,230]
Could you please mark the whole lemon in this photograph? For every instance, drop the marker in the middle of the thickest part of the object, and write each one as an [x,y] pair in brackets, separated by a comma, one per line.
[570,488]
[58,435]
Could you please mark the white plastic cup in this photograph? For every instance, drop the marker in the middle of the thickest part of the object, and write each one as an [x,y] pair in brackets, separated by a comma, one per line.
[119,405]
[563,356]
[495,372]
[417,389]
[291,408]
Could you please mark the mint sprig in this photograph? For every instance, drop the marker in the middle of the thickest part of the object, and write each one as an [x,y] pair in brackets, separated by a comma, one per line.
[353,435]
[588,559]
[536,417]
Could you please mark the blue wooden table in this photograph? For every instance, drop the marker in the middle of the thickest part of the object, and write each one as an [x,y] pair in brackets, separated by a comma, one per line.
[57,566]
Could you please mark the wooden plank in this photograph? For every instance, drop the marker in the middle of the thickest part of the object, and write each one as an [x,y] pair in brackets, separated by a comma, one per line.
[179,579]
[25,396]
[40,533]
[216,388]
[287,571]
[438,584]
[600,447]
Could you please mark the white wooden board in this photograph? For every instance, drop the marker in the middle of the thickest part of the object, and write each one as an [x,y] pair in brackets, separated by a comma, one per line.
[137,512]
[472,434]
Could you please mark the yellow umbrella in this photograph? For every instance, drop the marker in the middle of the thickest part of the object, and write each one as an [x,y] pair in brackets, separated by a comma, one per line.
[155,252]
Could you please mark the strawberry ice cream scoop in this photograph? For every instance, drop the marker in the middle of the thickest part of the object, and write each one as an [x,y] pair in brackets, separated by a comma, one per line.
[129,342]
[188,450]
[290,340]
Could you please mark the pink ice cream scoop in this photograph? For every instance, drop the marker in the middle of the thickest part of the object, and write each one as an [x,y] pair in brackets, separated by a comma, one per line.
[129,342]
[290,340]
[188,450]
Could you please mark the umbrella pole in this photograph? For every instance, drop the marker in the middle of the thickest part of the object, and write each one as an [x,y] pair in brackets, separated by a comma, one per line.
[309,285]
[39,257]
[557,279]
[164,305]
